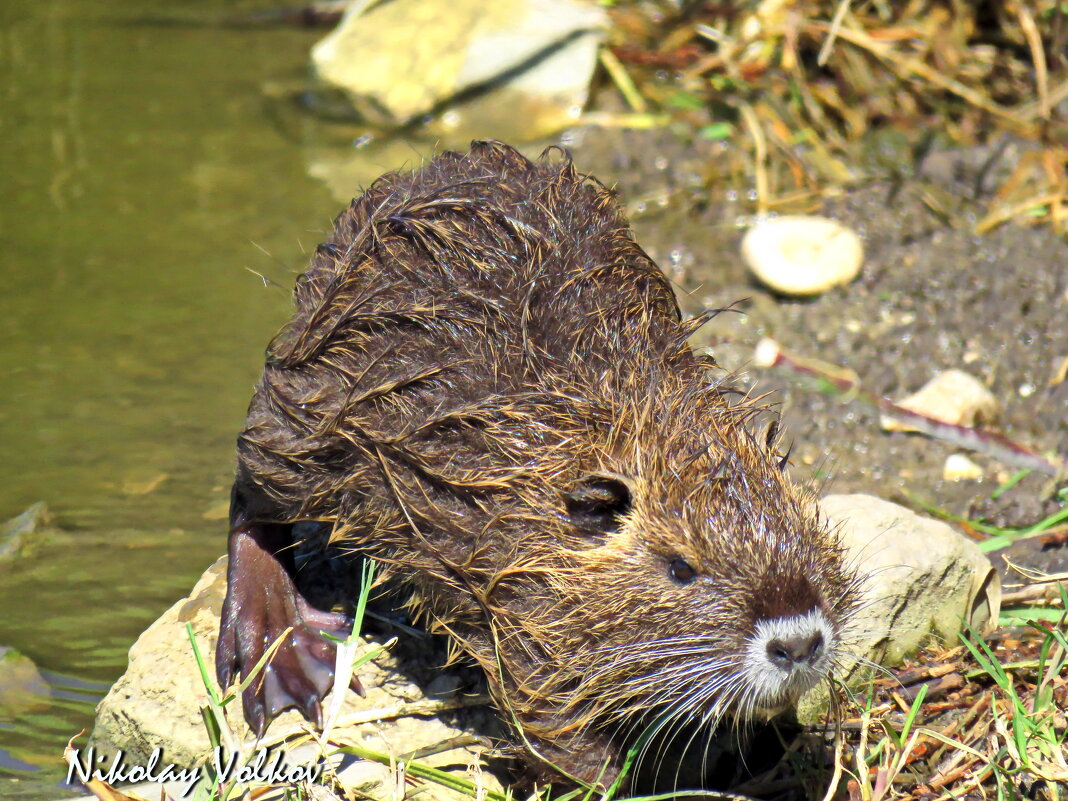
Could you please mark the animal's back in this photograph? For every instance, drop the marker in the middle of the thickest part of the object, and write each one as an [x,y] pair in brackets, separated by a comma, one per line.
[446,301]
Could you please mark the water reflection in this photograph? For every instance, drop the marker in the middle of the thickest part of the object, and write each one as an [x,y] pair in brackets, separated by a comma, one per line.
[144,181]
[160,190]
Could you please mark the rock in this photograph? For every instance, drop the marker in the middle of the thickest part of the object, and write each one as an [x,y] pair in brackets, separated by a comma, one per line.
[444,685]
[921,579]
[23,689]
[959,467]
[157,704]
[399,61]
[18,534]
[802,255]
[953,397]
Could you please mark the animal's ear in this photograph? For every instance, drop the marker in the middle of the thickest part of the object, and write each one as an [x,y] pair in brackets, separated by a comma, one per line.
[598,502]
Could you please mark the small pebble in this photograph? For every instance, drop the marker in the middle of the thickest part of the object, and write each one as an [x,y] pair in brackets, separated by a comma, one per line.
[802,255]
[959,467]
[1060,375]
[766,353]
[443,686]
[953,397]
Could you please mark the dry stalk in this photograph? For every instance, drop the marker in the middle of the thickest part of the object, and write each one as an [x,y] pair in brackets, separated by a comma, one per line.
[760,158]
[910,67]
[1038,56]
[832,34]
[999,216]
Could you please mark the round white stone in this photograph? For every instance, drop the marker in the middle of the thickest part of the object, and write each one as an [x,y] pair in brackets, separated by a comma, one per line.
[802,255]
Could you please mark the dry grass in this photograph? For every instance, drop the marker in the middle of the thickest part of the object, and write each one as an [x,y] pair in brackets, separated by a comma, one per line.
[815,95]
[982,720]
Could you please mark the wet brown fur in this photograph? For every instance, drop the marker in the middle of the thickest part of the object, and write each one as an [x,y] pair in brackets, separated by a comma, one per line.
[476,340]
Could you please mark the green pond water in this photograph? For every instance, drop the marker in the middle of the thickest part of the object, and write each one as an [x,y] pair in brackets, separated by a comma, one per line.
[147,168]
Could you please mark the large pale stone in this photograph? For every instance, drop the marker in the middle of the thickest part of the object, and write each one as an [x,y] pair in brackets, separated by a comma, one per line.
[921,580]
[157,703]
[397,61]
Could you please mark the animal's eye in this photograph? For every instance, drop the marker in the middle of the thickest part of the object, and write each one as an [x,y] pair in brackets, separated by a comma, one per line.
[681,571]
[597,503]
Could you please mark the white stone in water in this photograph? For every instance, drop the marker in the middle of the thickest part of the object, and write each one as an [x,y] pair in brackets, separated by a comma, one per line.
[802,255]
[959,467]
[953,397]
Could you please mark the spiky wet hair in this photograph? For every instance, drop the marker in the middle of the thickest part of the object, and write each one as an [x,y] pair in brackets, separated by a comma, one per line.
[487,386]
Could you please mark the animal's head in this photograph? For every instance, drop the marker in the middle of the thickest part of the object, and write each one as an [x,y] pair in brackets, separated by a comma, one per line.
[700,580]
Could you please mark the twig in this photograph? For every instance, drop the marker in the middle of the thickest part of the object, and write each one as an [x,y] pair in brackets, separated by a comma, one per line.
[1031,594]
[621,78]
[1033,108]
[921,672]
[936,687]
[951,770]
[770,354]
[836,23]
[978,708]
[997,217]
[1038,56]
[761,156]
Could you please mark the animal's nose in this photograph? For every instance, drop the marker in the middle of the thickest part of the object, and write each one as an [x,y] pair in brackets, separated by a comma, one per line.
[788,653]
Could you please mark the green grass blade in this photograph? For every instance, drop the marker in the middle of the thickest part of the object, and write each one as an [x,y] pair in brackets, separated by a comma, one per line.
[367,577]
[205,677]
[910,718]
[1048,522]
[1008,485]
[441,777]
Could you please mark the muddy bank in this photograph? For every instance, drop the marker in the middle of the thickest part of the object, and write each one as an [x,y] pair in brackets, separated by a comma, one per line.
[932,296]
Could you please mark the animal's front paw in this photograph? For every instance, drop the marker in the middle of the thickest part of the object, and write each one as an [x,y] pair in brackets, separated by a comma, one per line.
[262,602]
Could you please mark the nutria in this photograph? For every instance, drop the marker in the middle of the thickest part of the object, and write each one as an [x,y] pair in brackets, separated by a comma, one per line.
[487,386]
